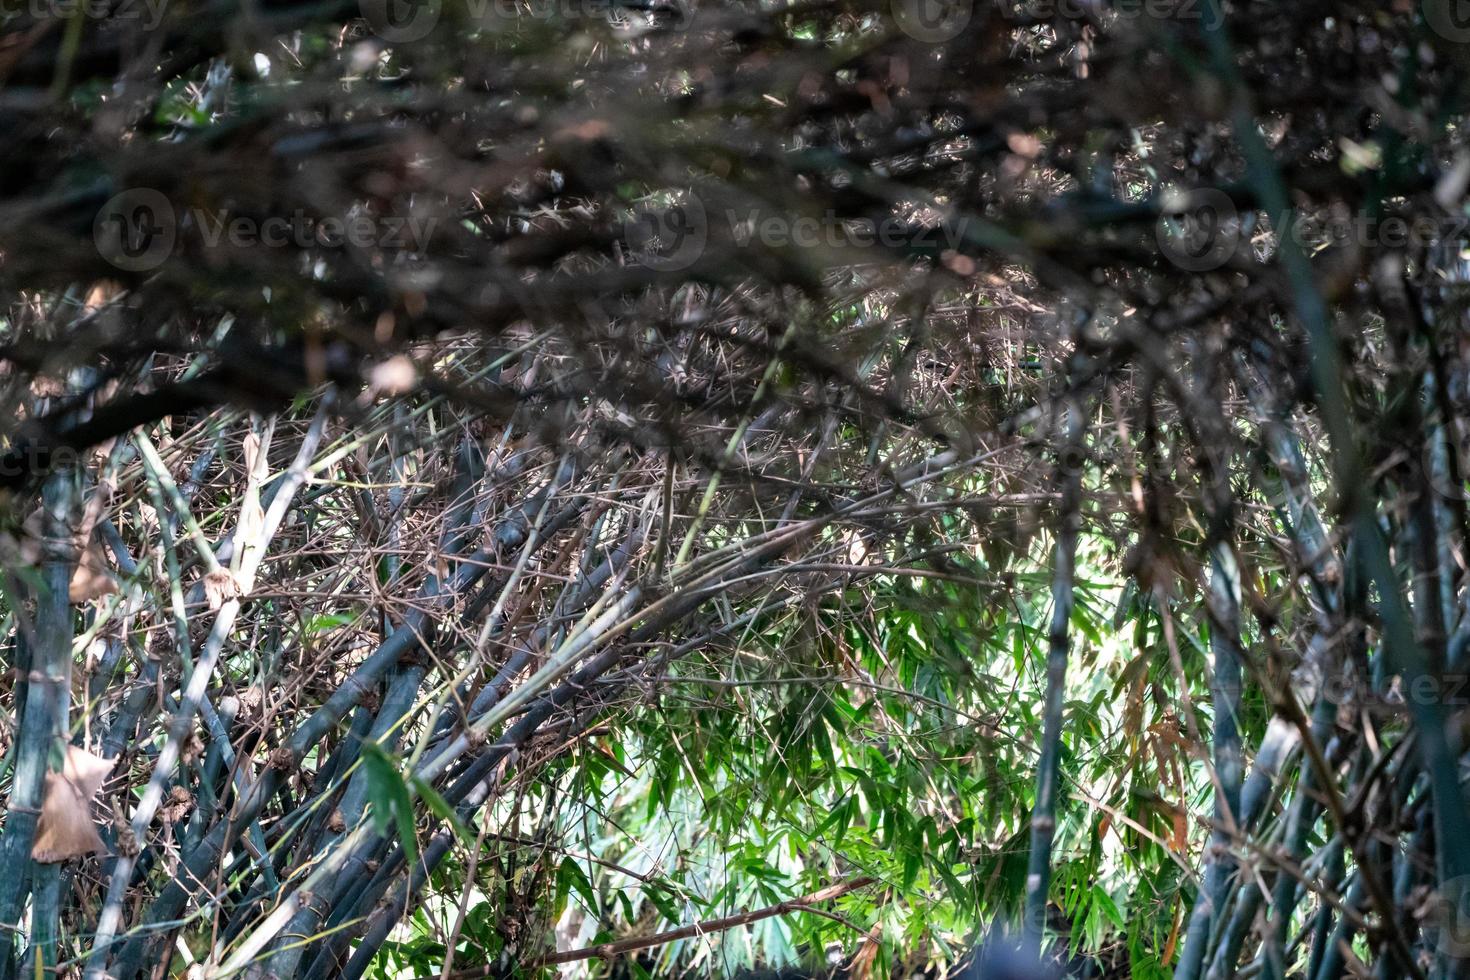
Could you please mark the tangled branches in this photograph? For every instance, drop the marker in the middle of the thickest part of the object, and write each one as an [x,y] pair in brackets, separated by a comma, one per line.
[407,411]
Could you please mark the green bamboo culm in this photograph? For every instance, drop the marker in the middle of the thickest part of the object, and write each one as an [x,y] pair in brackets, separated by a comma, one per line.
[1044,814]
[41,737]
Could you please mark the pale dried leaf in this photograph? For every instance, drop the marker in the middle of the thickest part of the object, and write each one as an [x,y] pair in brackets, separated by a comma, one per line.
[250,449]
[29,539]
[91,579]
[180,802]
[219,587]
[193,748]
[65,827]
[48,386]
[102,292]
[97,503]
[249,533]
[394,376]
[1449,191]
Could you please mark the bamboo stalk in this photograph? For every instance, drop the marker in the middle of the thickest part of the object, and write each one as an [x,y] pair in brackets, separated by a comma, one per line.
[43,731]
[1044,814]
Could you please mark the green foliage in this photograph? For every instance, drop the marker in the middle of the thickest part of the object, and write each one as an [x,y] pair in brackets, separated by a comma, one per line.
[389,801]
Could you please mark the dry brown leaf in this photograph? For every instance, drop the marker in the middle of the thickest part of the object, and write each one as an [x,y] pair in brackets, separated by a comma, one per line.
[219,587]
[1179,839]
[31,531]
[1024,144]
[91,579]
[960,265]
[65,828]
[193,748]
[861,967]
[1174,932]
[586,131]
[250,699]
[98,455]
[394,376]
[127,841]
[250,449]
[148,518]
[97,504]
[48,386]
[102,292]
[180,802]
